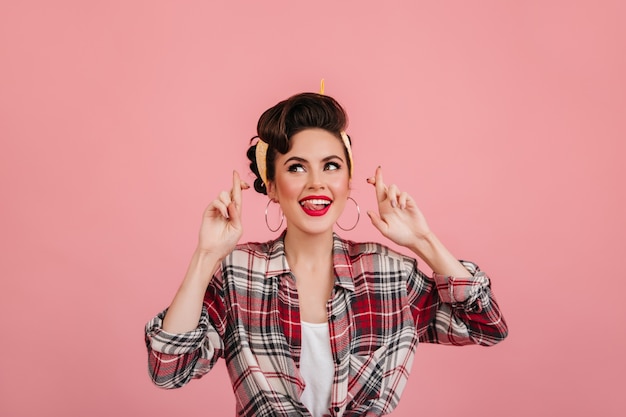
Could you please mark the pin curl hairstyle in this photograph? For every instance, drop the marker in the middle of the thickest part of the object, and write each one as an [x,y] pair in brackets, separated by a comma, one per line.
[278,124]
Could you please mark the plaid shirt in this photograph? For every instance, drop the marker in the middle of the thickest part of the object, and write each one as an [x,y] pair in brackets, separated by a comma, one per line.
[381,306]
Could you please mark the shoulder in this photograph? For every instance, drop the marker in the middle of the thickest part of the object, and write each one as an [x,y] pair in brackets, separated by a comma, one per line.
[256,248]
[356,250]
[372,267]
[245,252]
[268,257]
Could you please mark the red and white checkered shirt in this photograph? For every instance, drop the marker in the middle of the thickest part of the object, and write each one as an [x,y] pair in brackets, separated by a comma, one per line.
[381,306]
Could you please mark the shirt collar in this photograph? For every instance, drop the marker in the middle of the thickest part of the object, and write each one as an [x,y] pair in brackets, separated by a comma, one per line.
[276,259]
[342,264]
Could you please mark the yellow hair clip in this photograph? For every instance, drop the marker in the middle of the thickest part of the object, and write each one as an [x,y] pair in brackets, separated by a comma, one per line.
[346,143]
[261,159]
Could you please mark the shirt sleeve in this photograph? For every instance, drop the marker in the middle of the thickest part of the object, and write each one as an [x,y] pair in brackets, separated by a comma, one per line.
[456,311]
[175,359]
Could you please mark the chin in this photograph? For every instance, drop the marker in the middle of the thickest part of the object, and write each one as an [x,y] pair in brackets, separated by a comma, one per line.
[317,229]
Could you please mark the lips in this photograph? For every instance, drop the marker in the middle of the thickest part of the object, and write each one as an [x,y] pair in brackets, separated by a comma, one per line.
[315,205]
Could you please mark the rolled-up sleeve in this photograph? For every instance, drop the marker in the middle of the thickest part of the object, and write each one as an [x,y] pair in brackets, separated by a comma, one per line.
[175,359]
[459,310]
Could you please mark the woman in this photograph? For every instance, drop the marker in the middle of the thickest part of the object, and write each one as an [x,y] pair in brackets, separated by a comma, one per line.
[309,323]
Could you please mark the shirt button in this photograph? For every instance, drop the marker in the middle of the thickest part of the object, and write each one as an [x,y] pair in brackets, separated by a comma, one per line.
[337,361]
[337,409]
[333,317]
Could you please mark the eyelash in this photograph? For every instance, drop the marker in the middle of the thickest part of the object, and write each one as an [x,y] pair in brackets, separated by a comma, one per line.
[297,167]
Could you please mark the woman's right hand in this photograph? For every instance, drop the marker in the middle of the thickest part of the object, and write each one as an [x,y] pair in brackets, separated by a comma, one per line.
[221,226]
[220,231]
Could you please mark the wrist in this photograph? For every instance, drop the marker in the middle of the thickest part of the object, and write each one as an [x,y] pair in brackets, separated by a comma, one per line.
[202,267]
[425,245]
[437,256]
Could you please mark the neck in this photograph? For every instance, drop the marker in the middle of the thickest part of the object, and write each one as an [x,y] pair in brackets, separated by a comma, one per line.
[308,250]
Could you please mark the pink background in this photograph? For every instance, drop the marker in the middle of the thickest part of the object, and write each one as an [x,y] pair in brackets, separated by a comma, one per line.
[121,120]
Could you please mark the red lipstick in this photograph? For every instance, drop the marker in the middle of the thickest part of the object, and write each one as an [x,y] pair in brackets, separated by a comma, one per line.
[315,205]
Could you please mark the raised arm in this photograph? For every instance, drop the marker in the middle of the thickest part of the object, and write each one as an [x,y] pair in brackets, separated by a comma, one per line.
[185,340]
[456,305]
[400,220]
[219,233]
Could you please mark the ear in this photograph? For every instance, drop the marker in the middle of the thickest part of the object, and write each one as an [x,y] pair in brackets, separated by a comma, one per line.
[271,191]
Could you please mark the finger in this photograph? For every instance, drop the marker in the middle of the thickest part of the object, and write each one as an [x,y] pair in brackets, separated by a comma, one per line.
[218,205]
[377,221]
[410,202]
[235,215]
[403,199]
[381,189]
[236,190]
[392,194]
[372,180]
[224,197]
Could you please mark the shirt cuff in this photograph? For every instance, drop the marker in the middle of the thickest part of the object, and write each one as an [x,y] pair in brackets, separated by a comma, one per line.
[176,343]
[464,290]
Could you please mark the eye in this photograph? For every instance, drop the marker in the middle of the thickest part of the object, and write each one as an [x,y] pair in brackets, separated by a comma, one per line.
[332,166]
[295,168]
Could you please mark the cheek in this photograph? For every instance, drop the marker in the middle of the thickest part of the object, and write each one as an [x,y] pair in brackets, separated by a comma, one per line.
[340,185]
[288,189]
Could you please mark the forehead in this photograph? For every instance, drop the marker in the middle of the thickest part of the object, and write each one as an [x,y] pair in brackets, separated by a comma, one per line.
[315,143]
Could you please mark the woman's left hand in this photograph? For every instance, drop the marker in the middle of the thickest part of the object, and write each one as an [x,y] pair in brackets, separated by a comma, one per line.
[398,218]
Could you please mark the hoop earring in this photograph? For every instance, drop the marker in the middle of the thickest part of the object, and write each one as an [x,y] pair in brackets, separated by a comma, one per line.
[358,216]
[282,218]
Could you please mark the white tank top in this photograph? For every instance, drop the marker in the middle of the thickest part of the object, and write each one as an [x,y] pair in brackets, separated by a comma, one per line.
[317,368]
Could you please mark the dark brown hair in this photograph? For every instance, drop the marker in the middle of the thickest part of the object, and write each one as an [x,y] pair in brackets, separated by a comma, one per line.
[279,123]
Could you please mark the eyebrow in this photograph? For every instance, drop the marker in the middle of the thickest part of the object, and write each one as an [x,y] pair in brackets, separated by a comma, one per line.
[299,159]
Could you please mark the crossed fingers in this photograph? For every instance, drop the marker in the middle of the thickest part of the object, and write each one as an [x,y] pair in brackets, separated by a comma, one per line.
[388,194]
[226,198]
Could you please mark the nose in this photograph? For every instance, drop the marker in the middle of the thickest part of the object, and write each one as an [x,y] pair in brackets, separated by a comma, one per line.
[315,181]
